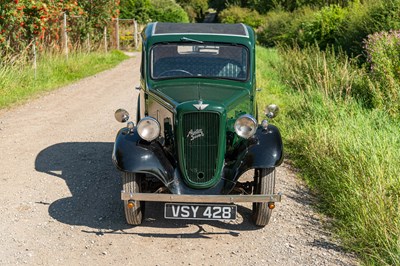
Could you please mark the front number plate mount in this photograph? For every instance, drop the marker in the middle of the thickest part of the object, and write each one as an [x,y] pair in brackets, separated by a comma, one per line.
[196,211]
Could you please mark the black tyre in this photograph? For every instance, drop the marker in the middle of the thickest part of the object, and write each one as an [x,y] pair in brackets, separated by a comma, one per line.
[264,183]
[131,183]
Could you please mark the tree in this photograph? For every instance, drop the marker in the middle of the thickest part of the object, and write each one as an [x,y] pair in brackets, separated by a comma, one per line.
[145,11]
[168,11]
[235,14]
[196,9]
[139,10]
[264,6]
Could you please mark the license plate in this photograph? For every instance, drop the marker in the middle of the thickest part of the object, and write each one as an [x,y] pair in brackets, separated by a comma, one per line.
[200,211]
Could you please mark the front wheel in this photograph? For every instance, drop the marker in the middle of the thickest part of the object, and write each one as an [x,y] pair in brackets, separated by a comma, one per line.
[264,183]
[134,209]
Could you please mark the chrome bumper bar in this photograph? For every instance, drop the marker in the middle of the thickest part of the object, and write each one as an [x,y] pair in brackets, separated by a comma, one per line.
[201,198]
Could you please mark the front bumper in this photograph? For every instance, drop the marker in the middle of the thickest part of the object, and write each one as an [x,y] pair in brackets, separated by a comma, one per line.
[201,198]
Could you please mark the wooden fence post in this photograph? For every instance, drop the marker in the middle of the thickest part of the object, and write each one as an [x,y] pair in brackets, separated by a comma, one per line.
[65,34]
[105,39]
[34,58]
[135,32]
[117,32]
[88,42]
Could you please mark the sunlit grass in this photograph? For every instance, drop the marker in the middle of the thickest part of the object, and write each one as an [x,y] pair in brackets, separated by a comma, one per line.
[18,82]
[349,155]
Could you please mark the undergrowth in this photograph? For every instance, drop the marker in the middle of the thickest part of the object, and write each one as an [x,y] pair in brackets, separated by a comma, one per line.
[347,151]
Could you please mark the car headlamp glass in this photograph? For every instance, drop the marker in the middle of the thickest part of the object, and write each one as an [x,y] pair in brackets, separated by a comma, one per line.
[246,126]
[148,128]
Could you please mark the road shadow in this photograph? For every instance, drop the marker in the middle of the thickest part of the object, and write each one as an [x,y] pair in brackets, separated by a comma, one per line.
[93,181]
[95,185]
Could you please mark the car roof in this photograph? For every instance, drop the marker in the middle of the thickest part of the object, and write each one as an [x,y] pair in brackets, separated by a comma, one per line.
[163,32]
[165,28]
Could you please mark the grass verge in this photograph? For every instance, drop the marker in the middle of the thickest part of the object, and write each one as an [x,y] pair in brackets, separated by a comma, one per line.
[18,83]
[348,154]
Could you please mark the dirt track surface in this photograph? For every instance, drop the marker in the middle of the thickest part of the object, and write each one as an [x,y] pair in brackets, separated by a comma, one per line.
[60,201]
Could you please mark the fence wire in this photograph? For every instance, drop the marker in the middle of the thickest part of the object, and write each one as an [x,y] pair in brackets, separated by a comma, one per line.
[67,34]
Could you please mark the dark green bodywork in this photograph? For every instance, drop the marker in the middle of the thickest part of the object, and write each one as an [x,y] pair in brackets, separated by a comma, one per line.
[171,101]
[228,98]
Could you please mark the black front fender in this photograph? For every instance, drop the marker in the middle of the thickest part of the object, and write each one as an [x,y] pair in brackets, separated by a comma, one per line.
[267,151]
[132,154]
[264,150]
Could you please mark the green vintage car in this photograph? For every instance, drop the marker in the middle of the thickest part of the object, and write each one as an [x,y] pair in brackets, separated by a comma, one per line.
[197,127]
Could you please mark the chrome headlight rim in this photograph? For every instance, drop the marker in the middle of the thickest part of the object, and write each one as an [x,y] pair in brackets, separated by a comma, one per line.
[148,128]
[246,126]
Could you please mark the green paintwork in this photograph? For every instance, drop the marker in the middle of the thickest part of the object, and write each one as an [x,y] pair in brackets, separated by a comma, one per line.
[197,90]
[219,155]
[176,97]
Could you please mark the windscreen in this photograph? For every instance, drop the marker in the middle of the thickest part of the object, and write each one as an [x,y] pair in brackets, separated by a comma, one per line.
[199,60]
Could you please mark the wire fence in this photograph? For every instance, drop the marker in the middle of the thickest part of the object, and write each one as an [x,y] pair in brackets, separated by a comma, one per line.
[120,34]
[70,34]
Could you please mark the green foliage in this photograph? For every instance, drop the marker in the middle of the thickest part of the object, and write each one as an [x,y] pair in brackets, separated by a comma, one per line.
[283,27]
[24,22]
[275,29]
[348,154]
[235,14]
[304,26]
[341,122]
[18,83]
[95,16]
[323,27]
[263,7]
[196,9]
[145,11]
[327,72]
[366,18]
[168,11]
[139,10]
[339,78]
[383,50]
[344,27]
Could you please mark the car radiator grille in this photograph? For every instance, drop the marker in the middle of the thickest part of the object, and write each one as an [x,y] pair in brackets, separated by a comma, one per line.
[200,146]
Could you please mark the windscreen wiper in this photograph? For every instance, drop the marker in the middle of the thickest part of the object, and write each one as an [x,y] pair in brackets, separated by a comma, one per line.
[184,39]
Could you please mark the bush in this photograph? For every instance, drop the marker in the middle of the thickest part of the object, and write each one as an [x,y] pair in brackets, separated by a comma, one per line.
[235,14]
[383,53]
[343,27]
[367,18]
[139,10]
[350,157]
[276,28]
[348,154]
[329,72]
[196,9]
[304,26]
[322,27]
[168,11]
[23,22]
[145,11]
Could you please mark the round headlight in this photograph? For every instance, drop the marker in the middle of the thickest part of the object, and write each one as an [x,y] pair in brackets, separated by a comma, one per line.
[148,128]
[246,126]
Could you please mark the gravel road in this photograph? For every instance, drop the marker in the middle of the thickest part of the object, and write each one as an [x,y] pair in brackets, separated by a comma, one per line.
[60,200]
